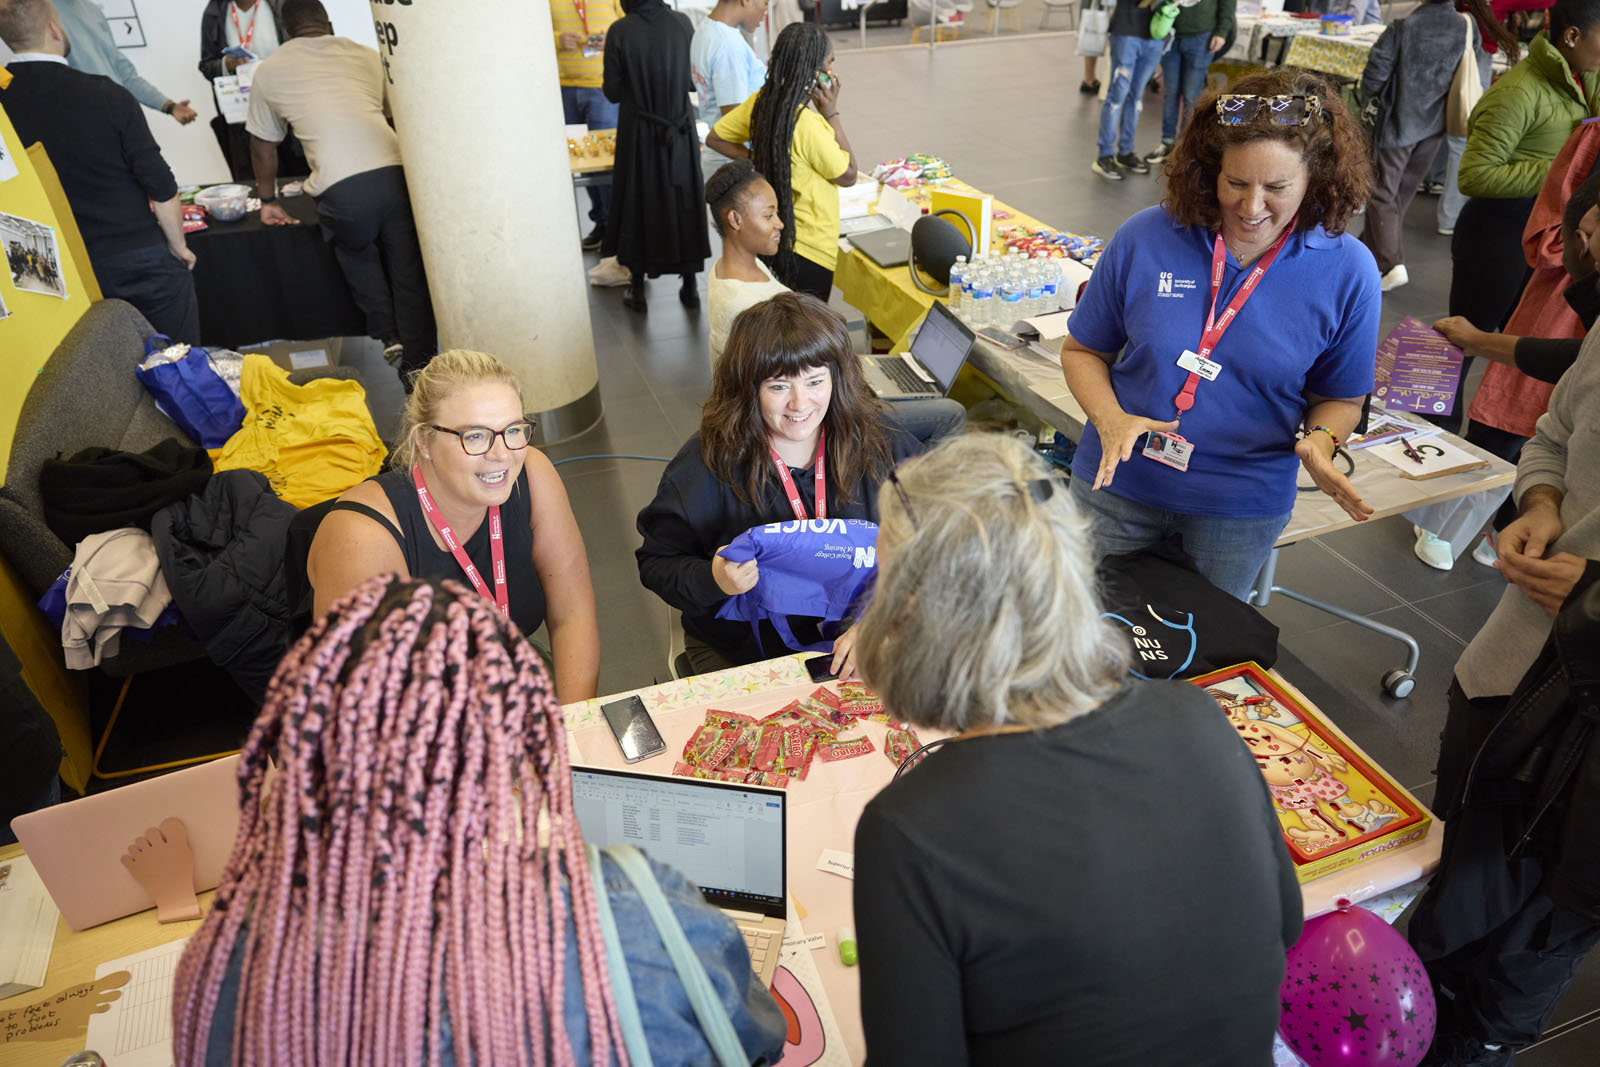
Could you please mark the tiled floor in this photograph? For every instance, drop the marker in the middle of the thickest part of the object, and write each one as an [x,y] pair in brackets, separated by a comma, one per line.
[1009,118]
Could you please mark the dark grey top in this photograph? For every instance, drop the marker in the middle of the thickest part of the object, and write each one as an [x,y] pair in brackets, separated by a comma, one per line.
[1421,52]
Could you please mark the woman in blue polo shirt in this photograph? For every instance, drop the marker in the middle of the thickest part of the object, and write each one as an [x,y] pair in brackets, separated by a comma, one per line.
[1220,395]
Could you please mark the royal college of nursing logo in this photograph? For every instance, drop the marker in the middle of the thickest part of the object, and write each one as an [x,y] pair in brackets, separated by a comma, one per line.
[1166,284]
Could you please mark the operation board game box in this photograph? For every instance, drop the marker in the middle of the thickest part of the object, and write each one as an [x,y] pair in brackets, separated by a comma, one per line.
[1334,807]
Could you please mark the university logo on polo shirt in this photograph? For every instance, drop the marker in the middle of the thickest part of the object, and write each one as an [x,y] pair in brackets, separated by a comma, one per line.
[1166,284]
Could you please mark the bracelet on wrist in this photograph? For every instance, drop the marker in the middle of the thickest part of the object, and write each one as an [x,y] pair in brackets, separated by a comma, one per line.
[1332,436]
[168,107]
[265,200]
[831,117]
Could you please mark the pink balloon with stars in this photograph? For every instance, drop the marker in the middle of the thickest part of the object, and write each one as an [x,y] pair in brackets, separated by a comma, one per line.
[1355,994]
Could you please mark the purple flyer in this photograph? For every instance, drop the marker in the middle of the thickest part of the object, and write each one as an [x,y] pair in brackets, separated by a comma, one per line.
[1417,369]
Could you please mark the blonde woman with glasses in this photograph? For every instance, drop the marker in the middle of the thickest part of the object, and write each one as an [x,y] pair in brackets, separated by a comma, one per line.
[467,498]
[1090,872]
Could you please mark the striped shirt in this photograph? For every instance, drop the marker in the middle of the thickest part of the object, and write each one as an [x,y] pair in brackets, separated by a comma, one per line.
[574,68]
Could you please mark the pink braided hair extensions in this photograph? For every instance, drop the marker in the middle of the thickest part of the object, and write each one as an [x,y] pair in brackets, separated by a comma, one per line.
[411,859]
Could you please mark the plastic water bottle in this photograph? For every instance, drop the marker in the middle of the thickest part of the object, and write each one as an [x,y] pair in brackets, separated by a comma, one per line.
[1035,297]
[981,312]
[958,271]
[1050,279]
[1012,291]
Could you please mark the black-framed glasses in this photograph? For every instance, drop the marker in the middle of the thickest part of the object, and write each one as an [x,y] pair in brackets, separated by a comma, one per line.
[919,755]
[905,497]
[1241,109]
[476,440]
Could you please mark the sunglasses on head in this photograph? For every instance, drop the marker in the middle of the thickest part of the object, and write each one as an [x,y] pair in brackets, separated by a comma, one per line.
[1241,109]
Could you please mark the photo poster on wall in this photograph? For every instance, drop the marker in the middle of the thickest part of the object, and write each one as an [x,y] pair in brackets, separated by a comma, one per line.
[8,166]
[123,18]
[32,256]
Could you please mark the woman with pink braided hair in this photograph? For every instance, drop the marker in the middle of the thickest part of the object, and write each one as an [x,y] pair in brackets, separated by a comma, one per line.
[412,887]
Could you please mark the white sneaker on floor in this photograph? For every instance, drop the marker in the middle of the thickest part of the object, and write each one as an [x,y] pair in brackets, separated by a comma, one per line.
[1483,552]
[1433,550]
[609,272]
[1396,277]
[1447,231]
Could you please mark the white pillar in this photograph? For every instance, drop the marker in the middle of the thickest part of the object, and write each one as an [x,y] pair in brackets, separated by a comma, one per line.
[477,105]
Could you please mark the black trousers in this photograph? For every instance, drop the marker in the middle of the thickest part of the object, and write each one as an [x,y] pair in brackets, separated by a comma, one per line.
[811,277]
[153,280]
[1500,952]
[368,219]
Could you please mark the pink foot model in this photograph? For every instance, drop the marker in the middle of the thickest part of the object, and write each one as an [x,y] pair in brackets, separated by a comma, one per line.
[163,863]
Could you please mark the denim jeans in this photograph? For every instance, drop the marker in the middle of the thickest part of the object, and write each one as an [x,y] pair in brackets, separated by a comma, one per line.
[1229,551]
[1183,75]
[1133,61]
[591,107]
[1452,200]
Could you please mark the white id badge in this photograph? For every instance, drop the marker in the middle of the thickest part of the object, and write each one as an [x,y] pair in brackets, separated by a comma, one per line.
[1170,449]
[1195,363]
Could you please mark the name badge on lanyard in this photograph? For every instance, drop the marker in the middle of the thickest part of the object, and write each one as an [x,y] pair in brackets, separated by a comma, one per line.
[1169,448]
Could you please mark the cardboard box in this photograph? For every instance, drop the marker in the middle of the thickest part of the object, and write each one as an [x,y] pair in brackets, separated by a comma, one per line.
[299,355]
[1334,807]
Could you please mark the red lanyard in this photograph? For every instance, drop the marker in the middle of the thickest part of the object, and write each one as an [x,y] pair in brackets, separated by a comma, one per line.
[583,15]
[1216,327]
[497,549]
[245,38]
[794,493]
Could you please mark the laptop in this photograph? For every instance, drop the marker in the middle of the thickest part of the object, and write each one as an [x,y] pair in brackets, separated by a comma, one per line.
[77,847]
[938,350]
[726,838]
[890,247]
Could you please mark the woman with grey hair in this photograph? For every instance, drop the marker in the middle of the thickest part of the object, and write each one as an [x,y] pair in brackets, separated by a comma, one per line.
[1090,870]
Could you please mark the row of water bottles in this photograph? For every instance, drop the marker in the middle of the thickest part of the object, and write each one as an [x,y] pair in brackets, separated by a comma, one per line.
[1002,289]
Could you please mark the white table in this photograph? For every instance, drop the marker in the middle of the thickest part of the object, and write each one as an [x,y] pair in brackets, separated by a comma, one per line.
[1035,381]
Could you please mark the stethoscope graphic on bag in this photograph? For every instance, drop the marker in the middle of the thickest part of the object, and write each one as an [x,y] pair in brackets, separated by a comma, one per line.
[1141,633]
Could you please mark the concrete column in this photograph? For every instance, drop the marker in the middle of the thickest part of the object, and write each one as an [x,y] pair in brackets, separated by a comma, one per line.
[476,103]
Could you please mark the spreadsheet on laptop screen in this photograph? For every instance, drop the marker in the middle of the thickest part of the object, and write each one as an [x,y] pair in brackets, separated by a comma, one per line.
[725,839]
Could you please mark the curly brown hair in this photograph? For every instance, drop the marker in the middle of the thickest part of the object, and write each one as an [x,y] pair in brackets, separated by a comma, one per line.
[1332,146]
[790,334]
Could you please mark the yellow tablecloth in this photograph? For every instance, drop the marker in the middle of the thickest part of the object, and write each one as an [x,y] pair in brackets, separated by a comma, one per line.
[887,297]
[1344,56]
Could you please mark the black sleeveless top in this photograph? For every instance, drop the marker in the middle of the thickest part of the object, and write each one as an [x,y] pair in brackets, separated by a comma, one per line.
[424,559]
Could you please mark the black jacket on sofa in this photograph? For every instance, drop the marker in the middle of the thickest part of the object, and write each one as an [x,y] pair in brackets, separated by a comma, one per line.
[222,553]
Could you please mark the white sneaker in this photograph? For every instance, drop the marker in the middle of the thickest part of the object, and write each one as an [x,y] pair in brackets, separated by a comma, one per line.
[1396,277]
[609,272]
[1484,553]
[1447,231]
[1433,550]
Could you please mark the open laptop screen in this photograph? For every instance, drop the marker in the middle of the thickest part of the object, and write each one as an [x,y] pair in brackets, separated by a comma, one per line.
[727,839]
[941,345]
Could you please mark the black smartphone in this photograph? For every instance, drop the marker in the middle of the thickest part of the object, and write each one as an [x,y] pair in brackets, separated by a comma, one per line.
[633,728]
[817,667]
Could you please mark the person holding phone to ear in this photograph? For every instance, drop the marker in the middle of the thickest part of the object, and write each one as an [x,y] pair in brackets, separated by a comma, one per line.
[803,153]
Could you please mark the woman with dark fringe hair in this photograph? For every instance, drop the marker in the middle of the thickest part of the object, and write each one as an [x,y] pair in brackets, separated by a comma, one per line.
[788,393]
[803,153]
[413,887]
[1246,320]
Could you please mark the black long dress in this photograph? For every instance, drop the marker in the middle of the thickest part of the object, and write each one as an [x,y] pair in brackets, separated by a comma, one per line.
[657,223]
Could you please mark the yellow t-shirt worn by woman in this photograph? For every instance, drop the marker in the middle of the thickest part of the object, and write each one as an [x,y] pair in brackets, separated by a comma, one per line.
[815,159]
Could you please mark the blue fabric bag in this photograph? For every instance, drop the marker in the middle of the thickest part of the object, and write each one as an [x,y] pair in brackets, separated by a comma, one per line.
[814,567]
[192,394]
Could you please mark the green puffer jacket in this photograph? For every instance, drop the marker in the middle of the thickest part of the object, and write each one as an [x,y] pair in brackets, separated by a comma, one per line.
[1522,122]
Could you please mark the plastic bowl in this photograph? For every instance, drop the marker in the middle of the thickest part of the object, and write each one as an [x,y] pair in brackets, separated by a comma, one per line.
[225,203]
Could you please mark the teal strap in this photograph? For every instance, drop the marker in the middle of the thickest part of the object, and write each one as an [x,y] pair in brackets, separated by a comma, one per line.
[617,964]
[708,1008]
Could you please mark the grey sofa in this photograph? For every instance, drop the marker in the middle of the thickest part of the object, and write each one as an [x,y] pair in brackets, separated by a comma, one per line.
[86,394]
